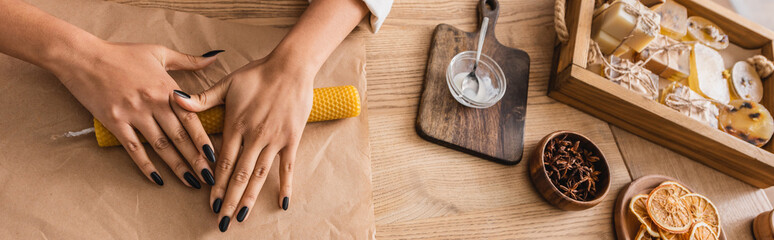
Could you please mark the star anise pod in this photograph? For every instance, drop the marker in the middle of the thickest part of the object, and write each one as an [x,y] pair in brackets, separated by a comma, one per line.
[571,168]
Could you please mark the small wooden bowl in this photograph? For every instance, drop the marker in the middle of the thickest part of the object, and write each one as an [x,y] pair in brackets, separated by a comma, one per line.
[763,226]
[550,192]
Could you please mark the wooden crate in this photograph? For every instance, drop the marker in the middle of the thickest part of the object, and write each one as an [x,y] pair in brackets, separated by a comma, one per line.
[572,84]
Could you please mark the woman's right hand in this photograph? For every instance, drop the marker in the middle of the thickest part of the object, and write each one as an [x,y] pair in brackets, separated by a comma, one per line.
[127,87]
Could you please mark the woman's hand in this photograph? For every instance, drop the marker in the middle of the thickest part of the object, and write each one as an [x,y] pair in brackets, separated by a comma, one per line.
[126,86]
[267,104]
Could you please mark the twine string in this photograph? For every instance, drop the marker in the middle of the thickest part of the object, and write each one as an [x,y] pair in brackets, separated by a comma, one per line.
[762,65]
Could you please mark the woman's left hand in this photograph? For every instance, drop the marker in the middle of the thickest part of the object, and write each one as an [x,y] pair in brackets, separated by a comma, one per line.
[267,105]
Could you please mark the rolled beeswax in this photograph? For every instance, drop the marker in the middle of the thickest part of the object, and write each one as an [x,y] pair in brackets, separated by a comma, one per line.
[707,74]
[625,24]
[329,104]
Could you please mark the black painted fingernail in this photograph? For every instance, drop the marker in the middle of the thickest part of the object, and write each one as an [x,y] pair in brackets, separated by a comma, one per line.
[242,214]
[208,152]
[208,177]
[192,180]
[216,205]
[212,53]
[285,203]
[224,224]
[182,94]
[156,178]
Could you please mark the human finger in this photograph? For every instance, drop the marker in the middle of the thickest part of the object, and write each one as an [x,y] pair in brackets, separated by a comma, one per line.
[155,136]
[128,138]
[232,141]
[257,180]
[238,183]
[287,162]
[186,132]
[174,60]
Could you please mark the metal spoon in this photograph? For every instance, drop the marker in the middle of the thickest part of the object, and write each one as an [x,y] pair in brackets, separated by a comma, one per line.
[471,81]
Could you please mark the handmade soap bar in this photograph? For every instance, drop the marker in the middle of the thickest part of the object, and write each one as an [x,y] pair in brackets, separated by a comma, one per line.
[674,19]
[684,100]
[706,76]
[625,24]
[608,44]
[745,83]
[749,121]
[632,76]
[706,32]
[596,62]
[671,59]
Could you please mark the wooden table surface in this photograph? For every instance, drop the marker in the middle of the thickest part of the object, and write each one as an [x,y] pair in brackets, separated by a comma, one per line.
[422,190]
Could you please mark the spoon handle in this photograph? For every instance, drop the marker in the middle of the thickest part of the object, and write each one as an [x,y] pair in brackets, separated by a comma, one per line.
[484,25]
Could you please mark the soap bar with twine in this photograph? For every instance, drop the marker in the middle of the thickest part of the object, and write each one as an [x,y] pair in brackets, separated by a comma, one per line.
[631,76]
[625,25]
[669,58]
[684,100]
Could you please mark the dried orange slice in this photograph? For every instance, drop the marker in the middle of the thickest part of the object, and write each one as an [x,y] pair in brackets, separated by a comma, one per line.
[644,235]
[669,236]
[702,231]
[702,210]
[637,206]
[667,210]
[683,191]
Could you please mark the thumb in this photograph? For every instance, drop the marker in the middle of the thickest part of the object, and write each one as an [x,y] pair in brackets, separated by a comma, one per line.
[212,97]
[180,61]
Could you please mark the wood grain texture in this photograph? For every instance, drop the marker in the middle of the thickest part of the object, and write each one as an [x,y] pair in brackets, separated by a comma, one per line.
[578,17]
[768,87]
[422,190]
[495,133]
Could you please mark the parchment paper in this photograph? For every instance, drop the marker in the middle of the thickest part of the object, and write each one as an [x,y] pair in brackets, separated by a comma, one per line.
[69,188]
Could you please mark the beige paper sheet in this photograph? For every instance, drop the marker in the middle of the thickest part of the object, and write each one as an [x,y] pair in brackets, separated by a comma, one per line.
[69,188]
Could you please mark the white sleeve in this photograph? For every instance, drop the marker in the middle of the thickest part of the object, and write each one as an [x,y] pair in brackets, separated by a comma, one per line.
[379,11]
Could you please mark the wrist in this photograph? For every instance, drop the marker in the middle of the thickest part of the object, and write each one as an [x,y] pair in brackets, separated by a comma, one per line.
[74,52]
[290,60]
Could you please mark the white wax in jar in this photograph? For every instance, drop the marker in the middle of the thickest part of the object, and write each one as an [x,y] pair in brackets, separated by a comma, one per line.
[486,91]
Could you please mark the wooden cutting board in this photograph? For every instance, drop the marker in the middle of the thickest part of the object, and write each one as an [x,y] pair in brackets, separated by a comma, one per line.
[495,133]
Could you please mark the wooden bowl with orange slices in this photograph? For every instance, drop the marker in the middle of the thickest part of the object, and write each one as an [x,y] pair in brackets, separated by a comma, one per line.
[660,207]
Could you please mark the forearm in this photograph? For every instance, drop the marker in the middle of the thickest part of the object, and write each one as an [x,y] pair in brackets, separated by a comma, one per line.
[319,31]
[34,36]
